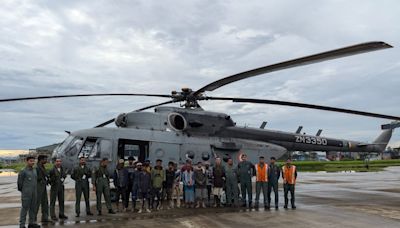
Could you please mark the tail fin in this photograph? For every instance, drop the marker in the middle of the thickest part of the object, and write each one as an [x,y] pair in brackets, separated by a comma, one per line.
[383,139]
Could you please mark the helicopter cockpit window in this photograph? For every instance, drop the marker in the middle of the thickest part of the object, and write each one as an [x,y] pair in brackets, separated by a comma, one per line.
[70,146]
[87,148]
[98,149]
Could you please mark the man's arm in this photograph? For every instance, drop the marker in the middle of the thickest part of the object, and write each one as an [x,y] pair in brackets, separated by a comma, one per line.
[74,174]
[21,176]
[115,178]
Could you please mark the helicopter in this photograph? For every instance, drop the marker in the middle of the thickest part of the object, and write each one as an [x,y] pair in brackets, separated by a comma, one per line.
[190,132]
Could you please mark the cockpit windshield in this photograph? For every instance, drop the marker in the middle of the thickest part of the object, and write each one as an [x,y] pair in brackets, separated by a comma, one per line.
[70,146]
[92,148]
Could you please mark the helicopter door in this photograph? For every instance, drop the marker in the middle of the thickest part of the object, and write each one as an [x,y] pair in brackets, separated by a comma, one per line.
[135,148]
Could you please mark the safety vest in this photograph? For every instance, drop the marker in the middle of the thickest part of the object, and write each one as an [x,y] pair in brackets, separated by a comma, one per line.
[288,174]
[262,172]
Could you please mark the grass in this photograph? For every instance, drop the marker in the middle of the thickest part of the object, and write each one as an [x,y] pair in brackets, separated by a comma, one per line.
[19,166]
[336,166]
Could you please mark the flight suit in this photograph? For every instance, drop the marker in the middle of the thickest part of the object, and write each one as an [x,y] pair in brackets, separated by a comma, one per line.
[101,179]
[57,178]
[274,174]
[27,185]
[246,171]
[232,193]
[42,198]
[81,176]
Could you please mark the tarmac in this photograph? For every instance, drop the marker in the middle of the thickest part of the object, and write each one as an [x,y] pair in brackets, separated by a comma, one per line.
[345,199]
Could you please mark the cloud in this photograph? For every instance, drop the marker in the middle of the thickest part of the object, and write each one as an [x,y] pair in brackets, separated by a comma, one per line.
[52,47]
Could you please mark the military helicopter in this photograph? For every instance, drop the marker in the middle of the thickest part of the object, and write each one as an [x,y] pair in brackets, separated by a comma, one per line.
[178,133]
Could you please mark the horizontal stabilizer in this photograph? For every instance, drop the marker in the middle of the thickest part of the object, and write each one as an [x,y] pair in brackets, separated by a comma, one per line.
[392,125]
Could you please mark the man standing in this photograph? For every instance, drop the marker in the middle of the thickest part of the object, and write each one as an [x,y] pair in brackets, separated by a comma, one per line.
[131,170]
[27,185]
[42,181]
[289,175]
[188,185]
[169,183]
[135,184]
[177,186]
[81,176]
[157,179]
[120,179]
[274,174]
[218,177]
[101,185]
[144,187]
[209,175]
[200,178]
[246,172]
[57,177]
[231,184]
[262,181]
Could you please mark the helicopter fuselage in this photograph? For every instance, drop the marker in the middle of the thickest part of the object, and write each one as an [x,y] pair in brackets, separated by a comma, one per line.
[177,134]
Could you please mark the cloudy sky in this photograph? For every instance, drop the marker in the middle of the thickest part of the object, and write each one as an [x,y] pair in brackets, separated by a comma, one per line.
[68,47]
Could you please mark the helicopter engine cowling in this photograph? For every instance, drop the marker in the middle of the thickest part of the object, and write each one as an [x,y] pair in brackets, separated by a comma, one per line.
[177,121]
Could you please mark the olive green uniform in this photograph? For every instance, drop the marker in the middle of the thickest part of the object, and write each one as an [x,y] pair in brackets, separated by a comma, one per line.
[42,198]
[81,176]
[246,172]
[57,178]
[27,185]
[101,179]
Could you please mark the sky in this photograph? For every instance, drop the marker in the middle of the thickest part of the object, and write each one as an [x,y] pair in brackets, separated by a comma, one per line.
[71,47]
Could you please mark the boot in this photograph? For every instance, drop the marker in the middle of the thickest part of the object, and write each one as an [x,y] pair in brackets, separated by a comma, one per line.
[215,201]
[133,206]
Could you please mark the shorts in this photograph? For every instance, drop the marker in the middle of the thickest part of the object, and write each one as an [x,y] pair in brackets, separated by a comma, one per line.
[201,193]
[217,191]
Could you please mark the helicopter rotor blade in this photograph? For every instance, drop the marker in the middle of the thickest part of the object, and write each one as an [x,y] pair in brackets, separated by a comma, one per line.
[324,56]
[303,105]
[84,95]
[138,110]
[105,123]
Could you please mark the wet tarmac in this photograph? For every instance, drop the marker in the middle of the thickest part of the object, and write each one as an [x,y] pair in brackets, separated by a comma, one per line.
[323,200]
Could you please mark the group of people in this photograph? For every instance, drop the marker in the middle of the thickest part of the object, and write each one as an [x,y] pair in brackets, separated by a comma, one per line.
[154,187]
[33,182]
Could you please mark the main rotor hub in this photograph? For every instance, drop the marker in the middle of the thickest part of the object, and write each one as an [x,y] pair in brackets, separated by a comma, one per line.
[188,96]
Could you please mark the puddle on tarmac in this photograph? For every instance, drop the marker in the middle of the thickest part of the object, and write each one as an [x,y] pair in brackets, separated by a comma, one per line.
[7,172]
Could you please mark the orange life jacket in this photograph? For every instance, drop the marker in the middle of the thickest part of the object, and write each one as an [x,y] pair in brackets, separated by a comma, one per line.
[288,174]
[262,172]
